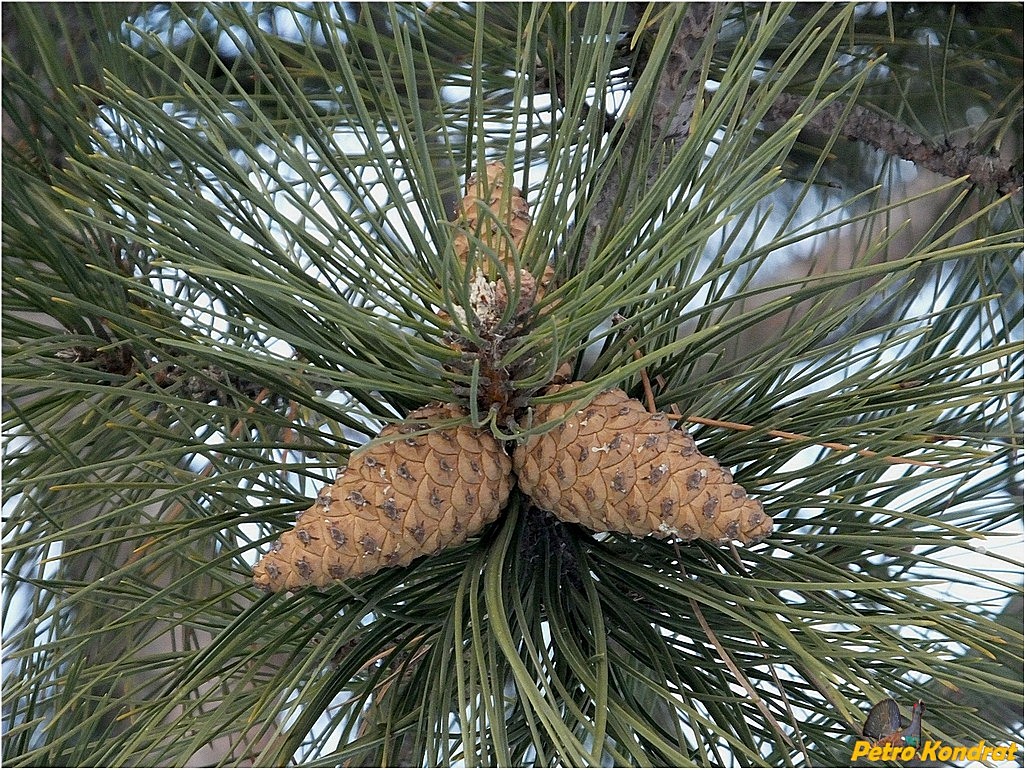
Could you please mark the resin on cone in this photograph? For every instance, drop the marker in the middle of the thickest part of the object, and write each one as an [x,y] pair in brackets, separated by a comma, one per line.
[489,299]
[394,501]
[614,466]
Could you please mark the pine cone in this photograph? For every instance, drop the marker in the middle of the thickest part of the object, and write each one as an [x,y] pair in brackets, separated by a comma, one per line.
[504,232]
[508,208]
[393,502]
[613,466]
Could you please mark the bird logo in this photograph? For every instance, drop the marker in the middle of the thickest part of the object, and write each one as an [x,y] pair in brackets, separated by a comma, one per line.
[887,727]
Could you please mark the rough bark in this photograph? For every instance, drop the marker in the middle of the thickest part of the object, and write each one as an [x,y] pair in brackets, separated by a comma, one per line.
[678,87]
[861,124]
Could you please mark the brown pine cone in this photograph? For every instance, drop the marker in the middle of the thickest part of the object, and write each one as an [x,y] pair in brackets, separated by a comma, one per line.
[504,233]
[508,208]
[613,466]
[393,502]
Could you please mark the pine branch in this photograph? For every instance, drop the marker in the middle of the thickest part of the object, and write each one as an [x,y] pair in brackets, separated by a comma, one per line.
[861,124]
[677,89]
[74,33]
[122,360]
[138,507]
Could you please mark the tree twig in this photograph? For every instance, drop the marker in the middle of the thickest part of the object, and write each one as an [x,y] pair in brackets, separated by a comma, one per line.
[676,415]
[801,437]
[864,125]
[739,676]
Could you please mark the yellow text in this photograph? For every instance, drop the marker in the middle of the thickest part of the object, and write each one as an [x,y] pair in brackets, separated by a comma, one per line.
[935,751]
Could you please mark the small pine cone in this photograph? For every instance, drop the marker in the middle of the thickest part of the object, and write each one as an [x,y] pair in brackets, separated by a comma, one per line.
[393,502]
[613,466]
[508,208]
